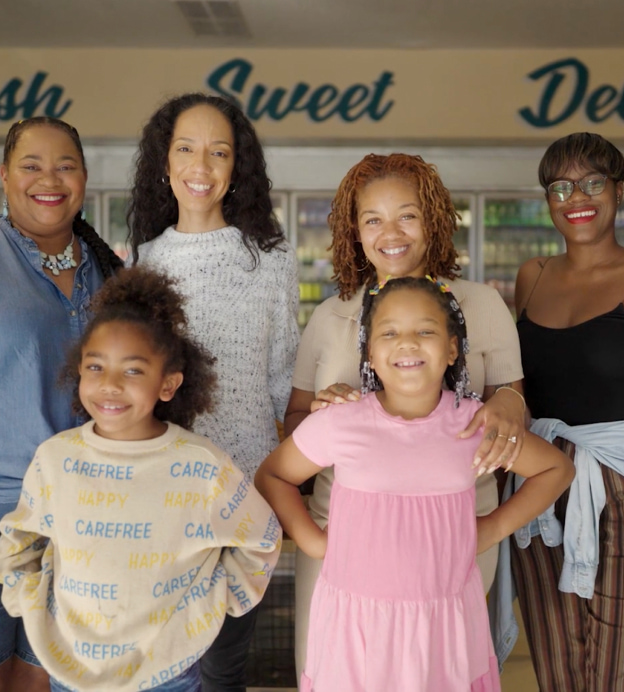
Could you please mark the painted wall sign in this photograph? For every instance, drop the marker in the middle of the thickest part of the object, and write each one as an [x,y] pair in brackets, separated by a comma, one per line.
[307,96]
[566,90]
[33,102]
[320,103]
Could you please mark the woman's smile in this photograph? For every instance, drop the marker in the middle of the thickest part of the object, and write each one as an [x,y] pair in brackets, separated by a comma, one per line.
[200,166]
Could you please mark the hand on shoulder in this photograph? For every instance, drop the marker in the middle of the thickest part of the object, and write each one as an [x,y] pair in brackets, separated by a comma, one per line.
[338,393]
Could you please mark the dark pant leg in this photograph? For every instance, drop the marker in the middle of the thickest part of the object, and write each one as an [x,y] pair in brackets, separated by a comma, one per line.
[555,622]
[605,628]
[223,665]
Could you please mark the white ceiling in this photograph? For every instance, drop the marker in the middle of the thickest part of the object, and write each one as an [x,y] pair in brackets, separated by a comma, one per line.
[400,24]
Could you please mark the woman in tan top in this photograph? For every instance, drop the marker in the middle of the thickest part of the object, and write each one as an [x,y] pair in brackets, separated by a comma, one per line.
[393,216]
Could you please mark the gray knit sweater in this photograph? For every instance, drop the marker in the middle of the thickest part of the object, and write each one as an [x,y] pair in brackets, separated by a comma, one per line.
[248,320]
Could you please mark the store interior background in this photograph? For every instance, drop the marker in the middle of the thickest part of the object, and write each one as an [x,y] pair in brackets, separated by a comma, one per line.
[493,179]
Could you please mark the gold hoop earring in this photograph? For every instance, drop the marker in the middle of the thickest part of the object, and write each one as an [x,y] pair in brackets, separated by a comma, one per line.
[365,267]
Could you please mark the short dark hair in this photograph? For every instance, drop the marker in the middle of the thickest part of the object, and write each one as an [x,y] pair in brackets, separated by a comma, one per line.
[153,206]
[147,299]
[584,149]
[455,322]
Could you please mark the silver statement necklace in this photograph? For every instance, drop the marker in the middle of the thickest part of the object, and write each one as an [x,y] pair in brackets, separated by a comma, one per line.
[58,263]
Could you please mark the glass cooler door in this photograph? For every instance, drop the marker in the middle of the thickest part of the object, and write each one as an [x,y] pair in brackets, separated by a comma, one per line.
[514,229]
[312,238]
[464,238]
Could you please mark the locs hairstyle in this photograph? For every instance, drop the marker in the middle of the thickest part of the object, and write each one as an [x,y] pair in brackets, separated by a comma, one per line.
[456,375]
[583,149]
[439,218]
[148,300]
[153,206]
[107,259]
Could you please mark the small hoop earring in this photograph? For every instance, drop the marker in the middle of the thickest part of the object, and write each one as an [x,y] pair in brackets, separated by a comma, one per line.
[165,180]
[232,188]
[365,267]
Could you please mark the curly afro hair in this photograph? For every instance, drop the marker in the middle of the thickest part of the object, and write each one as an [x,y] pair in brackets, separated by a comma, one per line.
[147,299]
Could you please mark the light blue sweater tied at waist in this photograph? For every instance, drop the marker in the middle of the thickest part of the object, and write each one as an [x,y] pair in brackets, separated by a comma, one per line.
[598,443]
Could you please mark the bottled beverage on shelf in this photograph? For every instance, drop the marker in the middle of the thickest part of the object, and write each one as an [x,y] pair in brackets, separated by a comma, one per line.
[506,214]
[489,252]
[545,219]
[463,258]
[466,218]
[492,214]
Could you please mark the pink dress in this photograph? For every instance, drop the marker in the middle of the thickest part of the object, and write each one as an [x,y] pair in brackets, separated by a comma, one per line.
[399,604]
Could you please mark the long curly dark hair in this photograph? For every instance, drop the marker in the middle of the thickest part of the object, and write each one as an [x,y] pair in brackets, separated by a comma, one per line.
[351,267]
[153,206]
[455,324]
[107,259]
[147,299]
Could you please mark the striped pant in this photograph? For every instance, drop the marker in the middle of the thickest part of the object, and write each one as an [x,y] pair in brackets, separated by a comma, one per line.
[577,644]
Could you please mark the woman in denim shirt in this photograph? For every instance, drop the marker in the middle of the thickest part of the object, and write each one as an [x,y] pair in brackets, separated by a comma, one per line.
[51,263]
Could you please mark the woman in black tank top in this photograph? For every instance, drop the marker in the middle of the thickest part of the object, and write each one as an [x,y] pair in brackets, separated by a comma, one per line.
[571,328]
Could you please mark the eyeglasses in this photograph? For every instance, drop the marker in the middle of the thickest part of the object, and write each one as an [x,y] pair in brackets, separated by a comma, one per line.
[592,184]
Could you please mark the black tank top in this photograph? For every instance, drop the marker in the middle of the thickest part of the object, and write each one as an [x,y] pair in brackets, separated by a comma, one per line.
[575,374]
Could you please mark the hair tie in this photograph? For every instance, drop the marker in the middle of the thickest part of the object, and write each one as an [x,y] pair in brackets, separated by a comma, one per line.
[444,287]
[377,287]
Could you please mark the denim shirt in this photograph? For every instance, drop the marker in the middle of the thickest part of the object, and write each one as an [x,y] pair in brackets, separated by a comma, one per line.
[38,325]
[598,443]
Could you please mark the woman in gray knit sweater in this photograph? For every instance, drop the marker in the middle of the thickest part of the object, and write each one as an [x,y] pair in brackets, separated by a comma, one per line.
[201,212]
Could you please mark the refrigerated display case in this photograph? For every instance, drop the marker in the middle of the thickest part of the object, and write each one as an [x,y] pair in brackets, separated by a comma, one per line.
[496,233]
[106,212]
[115,210]
[514,228]
[279,200]
[91,210]
[464,238]
[311,237]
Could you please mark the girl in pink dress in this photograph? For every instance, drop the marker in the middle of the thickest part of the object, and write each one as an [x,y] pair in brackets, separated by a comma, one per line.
[399,604]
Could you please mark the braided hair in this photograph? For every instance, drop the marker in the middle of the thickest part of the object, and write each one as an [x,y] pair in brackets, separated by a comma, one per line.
[147,299]
[109,262]
[456,375]
[107,259]
[439,218]
[153,206]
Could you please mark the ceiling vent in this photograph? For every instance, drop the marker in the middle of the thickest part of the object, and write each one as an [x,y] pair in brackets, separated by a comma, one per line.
[214,17]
